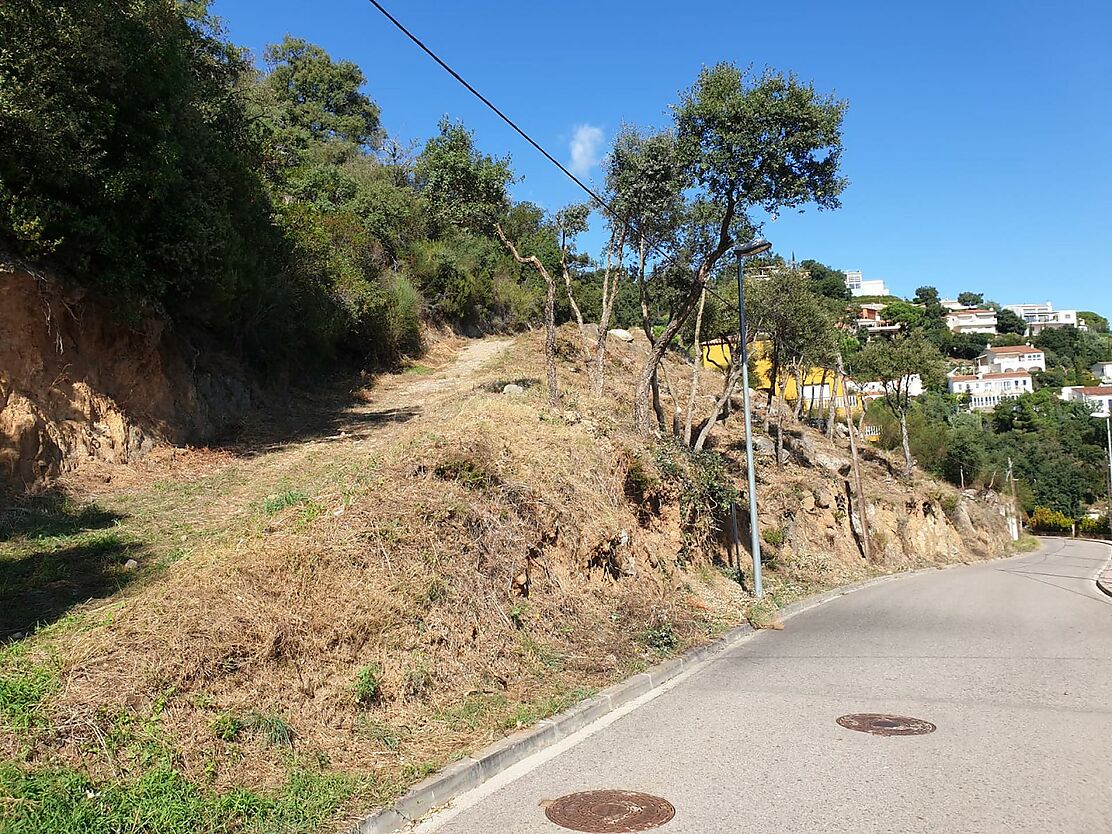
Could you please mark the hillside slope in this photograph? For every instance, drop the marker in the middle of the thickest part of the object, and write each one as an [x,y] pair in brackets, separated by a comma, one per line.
[354,596]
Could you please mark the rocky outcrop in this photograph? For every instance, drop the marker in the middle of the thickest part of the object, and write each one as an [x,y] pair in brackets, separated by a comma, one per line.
[78,383]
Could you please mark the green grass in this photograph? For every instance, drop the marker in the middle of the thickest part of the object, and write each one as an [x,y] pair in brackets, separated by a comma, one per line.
[23,685]
[162,801]
[274,504]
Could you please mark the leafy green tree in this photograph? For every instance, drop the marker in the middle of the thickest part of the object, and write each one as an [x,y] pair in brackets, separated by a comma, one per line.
[126,155]
[826,281]
[318,98]
[894,363]
[769,141]
[1009,322]
[1094,321]
[465,188]
[971,299]
[966,456]
[907,315]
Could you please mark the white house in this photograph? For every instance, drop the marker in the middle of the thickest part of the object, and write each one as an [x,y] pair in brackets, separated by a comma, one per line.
[1102,371]
[912,384]
[986,390]
[1040,317]
[1098,396]
[858,287]
[972,321]
[1006,360]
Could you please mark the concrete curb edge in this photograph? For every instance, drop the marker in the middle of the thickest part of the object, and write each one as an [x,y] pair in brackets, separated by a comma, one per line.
[470,772]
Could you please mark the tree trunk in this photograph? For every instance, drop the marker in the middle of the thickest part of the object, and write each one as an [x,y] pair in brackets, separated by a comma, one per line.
[832,405]
[780,429]
[862,510]
[909,463]
[641,417]
[773,375]
[550,342]
[799,377]
[695,371]
[549,316]
[610,281]
[733,373]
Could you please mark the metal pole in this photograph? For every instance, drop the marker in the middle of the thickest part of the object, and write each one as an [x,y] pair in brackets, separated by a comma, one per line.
[754,526]
[1108,429]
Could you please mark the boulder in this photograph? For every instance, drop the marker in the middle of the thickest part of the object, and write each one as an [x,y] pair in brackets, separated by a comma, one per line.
[823,498]
[513,390]
[621,335]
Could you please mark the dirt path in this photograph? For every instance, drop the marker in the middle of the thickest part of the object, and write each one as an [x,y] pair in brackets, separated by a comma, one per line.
[412,396]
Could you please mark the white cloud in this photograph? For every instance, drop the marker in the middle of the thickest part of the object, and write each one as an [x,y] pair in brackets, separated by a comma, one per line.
[585,146]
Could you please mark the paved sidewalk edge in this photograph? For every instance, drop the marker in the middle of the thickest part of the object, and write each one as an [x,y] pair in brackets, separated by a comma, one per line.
[470,772]
[1103,579]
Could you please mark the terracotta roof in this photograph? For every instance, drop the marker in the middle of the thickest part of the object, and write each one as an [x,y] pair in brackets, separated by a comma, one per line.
[963,377]
[1094,390]
[1010,349]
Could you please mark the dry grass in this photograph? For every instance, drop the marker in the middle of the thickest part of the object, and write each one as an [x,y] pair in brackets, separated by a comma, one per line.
[483,558]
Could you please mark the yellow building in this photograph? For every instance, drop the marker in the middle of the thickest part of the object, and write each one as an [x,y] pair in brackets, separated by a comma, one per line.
[817,382]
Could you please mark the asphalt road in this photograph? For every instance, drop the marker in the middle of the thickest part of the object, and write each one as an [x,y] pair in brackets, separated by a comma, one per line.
[1012,660]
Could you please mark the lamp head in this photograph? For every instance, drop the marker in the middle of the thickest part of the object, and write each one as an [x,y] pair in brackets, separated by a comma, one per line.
[753,247]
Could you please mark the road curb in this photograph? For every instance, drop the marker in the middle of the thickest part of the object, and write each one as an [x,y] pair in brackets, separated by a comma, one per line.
[1103,579]
[469,773]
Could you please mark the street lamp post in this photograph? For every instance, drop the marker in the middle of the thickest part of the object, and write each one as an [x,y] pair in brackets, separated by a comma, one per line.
[1108,431]
[754,247]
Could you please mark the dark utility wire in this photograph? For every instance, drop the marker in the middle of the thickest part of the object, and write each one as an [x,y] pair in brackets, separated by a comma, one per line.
[654,247]
[494,107]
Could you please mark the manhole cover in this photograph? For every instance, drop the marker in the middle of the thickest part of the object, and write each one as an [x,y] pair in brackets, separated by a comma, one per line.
[610,811]
[886,725]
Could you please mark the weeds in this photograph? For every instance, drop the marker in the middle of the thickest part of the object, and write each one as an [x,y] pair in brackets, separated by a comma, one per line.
[367,687]
[274,504]
[274,728]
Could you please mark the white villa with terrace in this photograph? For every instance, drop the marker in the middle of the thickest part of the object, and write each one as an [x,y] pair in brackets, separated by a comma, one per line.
[972,321]
[1040,317]
[1006,360]
[987,390]
[1098,396]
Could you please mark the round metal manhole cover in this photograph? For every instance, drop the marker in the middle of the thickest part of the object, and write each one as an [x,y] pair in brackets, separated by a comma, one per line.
[609,812]
[886,725]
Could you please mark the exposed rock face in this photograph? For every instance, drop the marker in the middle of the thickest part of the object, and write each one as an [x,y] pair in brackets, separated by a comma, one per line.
[77,383]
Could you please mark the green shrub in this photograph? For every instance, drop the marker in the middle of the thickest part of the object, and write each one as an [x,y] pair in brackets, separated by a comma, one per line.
[1093,526]
[367,686]
[705,490]
[228,726]
[1046,520]
[774,536]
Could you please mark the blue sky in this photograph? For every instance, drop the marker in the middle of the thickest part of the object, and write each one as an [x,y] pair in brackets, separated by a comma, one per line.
[978,141]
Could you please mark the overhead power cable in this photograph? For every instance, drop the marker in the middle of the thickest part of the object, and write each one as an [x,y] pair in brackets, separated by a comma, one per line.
[652,247]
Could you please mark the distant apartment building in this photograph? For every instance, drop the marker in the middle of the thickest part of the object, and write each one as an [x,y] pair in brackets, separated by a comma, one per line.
[987,390]
[1006,360]
[1102,371]
[870,317]
[1040,317]
[972,321]
[1098,396]
[858,286]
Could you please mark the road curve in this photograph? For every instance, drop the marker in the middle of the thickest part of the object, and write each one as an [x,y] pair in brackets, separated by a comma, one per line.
[1012,660]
